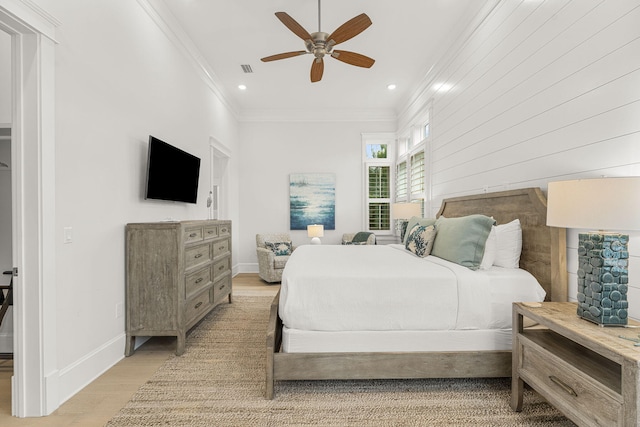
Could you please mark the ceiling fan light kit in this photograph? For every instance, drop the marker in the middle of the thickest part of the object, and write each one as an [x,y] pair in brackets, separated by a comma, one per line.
[320,43]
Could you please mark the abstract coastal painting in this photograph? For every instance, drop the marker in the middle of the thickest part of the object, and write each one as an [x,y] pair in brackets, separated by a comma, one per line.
[312,200]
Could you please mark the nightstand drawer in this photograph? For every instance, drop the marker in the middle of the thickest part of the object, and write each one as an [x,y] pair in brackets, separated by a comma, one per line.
[571,390]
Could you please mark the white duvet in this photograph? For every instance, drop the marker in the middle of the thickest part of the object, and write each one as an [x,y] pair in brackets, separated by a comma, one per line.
[387,288]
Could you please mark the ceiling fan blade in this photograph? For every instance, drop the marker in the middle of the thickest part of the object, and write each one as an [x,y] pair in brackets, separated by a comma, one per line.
[283,56]
[350,29]
[353,58]
[317,68]
[291,24]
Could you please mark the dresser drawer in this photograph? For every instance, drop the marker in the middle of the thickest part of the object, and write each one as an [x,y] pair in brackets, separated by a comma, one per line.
[221,289]
[198,305]
[197,255]
[193,234]
[211,231]
[197,280]
[224,230]
[571,390]
[221,247]
[220,268]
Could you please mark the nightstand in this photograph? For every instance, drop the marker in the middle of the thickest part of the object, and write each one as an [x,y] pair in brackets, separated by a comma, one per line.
[584,370]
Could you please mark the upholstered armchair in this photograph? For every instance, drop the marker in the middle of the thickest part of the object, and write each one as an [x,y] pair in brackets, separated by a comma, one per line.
[360,238]
[273,253]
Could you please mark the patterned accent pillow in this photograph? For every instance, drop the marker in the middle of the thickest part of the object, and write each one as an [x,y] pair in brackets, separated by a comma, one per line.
[420,240]
[279,248]
[353,243]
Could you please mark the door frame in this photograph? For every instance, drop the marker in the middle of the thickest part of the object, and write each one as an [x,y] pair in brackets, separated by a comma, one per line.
[219,153]
[35,382]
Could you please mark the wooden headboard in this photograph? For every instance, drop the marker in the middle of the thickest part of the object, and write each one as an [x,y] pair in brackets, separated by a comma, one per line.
[543,248]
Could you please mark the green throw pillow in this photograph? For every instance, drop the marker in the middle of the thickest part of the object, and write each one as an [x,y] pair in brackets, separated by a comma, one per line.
[462,240]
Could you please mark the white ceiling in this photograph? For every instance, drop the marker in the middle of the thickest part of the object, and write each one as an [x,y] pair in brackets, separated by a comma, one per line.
[405,39]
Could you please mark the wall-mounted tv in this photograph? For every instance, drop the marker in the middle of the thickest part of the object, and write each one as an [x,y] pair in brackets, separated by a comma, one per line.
[172,174]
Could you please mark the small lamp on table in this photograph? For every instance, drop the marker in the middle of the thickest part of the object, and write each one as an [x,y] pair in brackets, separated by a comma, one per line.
[603,258]
[402,212]
[315,231]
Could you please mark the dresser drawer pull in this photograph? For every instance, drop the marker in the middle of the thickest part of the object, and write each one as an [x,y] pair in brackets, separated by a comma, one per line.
[198,256]
[222,267]
[193,234]
[562,385]
[221,247]
[223,230]
[200,279]
[198,304]
[210,232]
[221,287]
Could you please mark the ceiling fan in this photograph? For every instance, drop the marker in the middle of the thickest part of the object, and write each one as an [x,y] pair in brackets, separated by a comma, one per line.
[320,44]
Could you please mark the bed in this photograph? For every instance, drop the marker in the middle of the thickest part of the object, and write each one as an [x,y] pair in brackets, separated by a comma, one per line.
[315,342]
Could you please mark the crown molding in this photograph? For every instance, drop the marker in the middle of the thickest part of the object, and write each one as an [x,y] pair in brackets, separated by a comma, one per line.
[320,115]
[424,91]
[164,19]
[26,11]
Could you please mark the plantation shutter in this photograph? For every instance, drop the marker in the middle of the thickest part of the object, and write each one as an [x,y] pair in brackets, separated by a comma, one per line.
[417,173]
[379,197]
[401,181]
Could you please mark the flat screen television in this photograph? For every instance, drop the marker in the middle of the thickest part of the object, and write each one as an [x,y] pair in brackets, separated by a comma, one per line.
[172,174]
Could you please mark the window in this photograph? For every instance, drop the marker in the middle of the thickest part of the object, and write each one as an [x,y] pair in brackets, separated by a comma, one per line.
[401,181]
[378,150]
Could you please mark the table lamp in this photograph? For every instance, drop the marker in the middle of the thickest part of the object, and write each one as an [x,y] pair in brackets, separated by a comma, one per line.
[402,212]
[315,231]
[610,204]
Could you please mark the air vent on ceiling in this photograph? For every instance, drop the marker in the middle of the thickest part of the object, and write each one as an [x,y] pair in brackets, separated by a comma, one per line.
[246,68]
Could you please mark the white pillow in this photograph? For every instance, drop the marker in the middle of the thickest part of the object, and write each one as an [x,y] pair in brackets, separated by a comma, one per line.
[490,249]
[509,245]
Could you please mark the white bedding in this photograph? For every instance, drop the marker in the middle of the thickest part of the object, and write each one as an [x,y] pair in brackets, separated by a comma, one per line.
[386,288]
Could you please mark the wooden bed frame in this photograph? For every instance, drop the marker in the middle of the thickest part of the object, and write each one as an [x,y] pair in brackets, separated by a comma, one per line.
[543,255]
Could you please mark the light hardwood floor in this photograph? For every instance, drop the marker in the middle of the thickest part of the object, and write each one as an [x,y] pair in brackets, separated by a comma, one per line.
[103,398]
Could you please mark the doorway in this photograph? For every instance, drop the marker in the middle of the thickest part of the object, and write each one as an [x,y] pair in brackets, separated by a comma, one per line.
[6,256]
[32,52]
[220,158]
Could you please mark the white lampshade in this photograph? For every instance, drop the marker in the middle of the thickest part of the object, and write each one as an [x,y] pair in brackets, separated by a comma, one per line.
[595,204]
[405,210]
[315,230]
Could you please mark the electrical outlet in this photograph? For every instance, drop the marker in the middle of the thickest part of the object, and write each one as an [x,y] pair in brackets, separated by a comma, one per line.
[119,310]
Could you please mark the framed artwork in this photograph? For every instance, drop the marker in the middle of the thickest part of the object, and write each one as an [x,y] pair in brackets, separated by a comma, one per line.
[312,200]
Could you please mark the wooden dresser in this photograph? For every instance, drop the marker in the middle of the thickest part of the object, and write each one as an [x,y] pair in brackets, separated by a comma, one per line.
[176,272]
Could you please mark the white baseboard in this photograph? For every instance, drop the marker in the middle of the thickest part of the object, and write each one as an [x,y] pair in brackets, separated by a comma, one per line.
[73,378]
[248,268]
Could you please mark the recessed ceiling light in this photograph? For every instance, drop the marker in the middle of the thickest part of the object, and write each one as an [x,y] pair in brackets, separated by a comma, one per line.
[391,86]
[242,87]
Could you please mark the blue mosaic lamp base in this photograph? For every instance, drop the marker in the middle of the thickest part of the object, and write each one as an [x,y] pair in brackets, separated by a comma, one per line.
[603,278]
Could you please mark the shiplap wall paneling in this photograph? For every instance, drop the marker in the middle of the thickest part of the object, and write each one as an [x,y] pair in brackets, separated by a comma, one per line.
[544,91]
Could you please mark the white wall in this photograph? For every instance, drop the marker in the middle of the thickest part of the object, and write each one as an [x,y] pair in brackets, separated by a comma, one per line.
[542,91]
[118,79]
[271,151]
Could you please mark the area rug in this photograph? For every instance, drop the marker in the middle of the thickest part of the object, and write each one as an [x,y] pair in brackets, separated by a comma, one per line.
[220,381]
